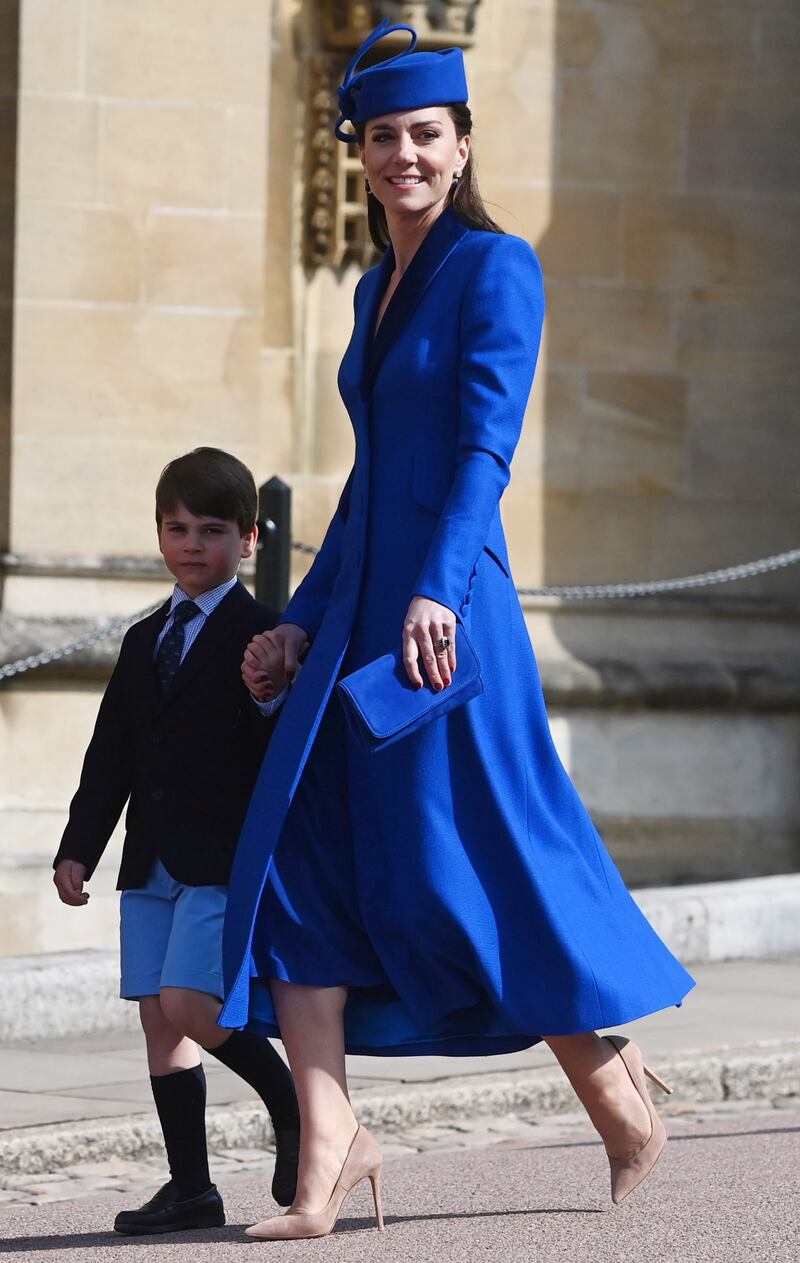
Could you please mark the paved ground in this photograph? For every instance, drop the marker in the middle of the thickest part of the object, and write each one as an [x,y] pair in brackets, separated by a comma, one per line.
[725,1192]
[736,1003]
[46,1089]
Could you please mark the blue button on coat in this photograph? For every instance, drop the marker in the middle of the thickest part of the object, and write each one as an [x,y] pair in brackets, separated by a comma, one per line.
[468,900]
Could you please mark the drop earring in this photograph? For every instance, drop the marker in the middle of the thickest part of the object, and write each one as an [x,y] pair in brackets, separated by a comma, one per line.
[367,186]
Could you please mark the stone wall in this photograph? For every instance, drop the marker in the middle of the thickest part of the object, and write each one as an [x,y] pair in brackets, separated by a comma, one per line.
[648,150]
[140,253]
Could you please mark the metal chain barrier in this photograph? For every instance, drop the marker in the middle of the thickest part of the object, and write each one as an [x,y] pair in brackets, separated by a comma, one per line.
[600,591]
[604,591]
[52,655]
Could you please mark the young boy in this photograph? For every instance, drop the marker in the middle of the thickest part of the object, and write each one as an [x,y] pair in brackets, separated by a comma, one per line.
[179,736]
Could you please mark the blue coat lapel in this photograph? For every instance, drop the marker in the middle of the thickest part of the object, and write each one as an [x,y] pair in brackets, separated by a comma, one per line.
[436,248]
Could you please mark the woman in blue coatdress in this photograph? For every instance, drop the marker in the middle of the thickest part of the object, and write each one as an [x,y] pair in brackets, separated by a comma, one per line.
[447,893]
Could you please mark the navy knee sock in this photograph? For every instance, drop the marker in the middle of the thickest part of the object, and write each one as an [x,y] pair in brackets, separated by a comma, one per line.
[180,1099]
[256,1061]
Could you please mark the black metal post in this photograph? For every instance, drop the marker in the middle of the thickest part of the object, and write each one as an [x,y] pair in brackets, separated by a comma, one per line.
[273,555]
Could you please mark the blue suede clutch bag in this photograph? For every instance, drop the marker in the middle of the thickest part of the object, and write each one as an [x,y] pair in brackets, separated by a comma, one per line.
[383,705]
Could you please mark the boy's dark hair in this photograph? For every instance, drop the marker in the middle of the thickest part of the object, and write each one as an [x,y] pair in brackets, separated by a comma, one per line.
[210,483]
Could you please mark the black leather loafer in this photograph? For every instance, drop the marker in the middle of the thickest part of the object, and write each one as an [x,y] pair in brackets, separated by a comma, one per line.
[287,1151]
[168,1213]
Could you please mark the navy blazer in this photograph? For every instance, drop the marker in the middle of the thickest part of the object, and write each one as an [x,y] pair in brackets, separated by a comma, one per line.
[186,761]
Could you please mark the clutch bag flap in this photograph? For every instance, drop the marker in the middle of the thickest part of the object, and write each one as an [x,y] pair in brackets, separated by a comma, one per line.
[383,705]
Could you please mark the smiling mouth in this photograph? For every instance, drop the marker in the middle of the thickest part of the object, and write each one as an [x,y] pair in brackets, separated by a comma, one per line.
[403,180]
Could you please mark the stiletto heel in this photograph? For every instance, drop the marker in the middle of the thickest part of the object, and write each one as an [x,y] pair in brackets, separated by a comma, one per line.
[655,1079]
[628,1172]
[375,1181]
[363,1162]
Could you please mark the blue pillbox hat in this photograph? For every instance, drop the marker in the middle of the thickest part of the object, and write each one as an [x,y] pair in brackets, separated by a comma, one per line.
[407,81]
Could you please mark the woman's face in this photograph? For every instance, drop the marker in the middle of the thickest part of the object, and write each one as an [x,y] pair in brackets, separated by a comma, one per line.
[410,159]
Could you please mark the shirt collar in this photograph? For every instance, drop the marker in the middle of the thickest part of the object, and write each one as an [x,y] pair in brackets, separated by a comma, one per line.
[207,601]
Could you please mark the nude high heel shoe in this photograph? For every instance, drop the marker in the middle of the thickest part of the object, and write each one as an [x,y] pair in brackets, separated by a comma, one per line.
[363,1162]
[627,1173]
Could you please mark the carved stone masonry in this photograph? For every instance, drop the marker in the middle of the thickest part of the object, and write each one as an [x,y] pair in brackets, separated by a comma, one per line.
[336,230]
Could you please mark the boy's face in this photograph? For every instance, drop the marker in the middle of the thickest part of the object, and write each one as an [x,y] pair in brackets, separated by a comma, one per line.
[202,552]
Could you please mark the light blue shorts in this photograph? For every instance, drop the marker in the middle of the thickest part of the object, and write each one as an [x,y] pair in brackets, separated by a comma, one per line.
[171,936]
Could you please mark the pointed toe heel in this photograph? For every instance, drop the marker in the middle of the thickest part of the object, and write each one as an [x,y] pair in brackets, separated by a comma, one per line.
[363,1162]
[629,1172]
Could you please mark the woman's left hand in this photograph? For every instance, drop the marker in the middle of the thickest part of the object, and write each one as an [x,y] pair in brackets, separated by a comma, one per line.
[425,623]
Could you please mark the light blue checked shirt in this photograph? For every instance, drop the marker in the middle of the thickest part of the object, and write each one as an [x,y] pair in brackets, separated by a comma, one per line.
[207,602]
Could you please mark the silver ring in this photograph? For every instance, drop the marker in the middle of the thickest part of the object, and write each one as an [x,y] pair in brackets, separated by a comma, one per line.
[441,646]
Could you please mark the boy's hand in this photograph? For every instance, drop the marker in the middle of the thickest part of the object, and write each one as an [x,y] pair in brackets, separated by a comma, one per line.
[270,660]
[69,878]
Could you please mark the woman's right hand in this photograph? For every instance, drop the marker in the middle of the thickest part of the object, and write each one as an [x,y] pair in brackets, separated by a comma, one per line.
[286,642]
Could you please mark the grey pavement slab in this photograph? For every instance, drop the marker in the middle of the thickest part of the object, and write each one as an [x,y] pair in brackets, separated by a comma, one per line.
[725,1192]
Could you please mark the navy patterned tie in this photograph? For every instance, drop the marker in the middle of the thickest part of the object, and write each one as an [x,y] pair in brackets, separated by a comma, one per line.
[168,658]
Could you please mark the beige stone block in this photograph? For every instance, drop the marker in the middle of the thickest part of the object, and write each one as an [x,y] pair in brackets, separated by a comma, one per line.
[609,327]
[50,51]
[278,446]
[576,232]
[744,400]
[610,537]
[521,208]
[597,537]
[627,434]
[583,237]
[76,254]
[754,460]
[522,513]
[664,39]
[58,149]
[330,433]
[328,315]
[279,289]
[738,332]
[314,502]
[184,50]
[511,98]
[624,130]
[745,138]
[204,261]
[695,241]
[779,44]
[44,727]
[246,156]
[692,535]
[163,155]
[167,377]
[65,596]
[117,518]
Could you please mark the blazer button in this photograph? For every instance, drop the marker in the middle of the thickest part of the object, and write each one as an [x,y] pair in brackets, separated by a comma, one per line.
[157,795]
[156,738]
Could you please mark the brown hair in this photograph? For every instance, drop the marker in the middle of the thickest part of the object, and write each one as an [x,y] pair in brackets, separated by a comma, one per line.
[210,483]
[464,197]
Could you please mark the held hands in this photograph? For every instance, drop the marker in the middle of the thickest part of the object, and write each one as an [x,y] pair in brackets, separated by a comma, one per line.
[270,660]
[426,622]
[69,878]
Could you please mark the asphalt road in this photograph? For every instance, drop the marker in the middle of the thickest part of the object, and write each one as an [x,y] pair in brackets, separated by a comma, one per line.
[726,1191]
